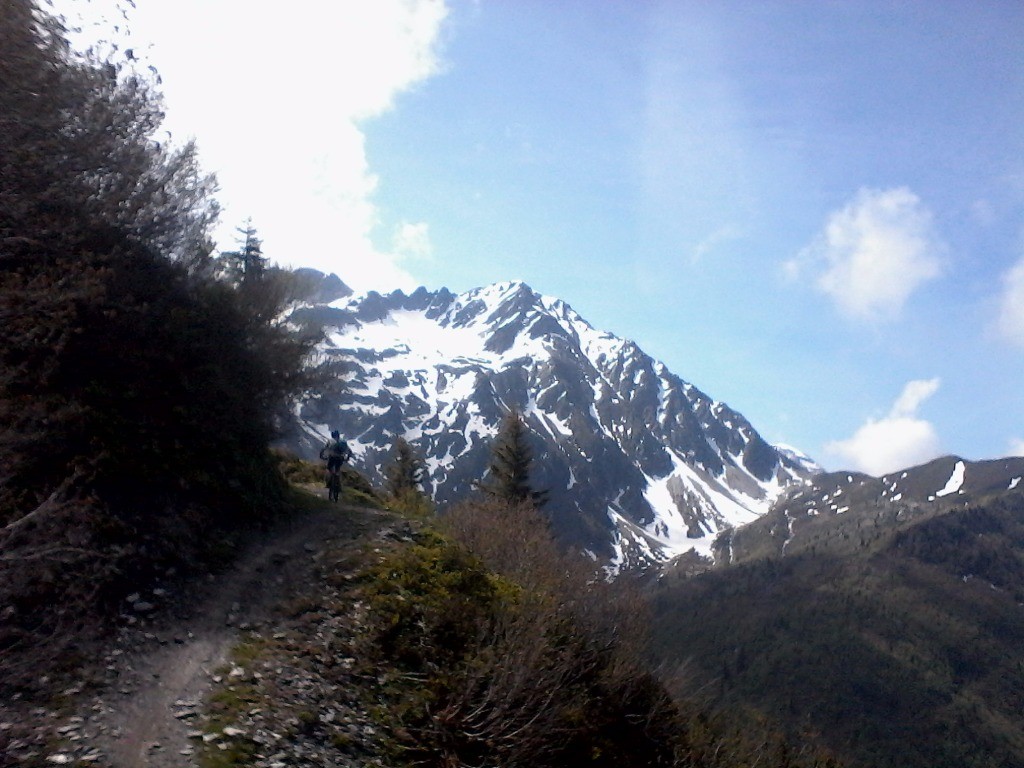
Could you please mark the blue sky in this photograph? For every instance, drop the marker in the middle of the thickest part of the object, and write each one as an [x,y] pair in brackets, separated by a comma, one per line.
[811,210]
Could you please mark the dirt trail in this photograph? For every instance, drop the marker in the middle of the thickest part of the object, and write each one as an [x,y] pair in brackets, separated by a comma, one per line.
[142,720]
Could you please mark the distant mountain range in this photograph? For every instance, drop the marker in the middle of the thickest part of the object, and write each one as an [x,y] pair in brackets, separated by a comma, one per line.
[844,511]
[642,467]
[882,618]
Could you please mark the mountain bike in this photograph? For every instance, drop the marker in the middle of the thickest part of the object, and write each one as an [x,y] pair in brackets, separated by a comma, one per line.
[334,484]
[335,453]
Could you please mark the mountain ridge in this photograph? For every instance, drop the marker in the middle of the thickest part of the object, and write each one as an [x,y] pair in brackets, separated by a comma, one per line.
[840,510]
[643,466]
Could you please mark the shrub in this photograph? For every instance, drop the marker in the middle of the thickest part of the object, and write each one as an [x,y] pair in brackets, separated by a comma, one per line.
[515,669]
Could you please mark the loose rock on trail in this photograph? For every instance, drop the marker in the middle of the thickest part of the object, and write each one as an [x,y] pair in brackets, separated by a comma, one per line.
[162,667]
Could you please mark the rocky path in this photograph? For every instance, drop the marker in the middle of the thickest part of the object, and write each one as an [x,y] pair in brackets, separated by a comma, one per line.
[160,671]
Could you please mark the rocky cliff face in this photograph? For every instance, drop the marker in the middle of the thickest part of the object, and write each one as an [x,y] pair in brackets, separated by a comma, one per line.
[641,466]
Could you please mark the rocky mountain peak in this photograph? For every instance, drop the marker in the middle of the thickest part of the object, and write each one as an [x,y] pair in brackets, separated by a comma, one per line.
[325,288]
[642,466]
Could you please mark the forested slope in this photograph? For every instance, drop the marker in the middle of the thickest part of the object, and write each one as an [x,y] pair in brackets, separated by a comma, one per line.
[138,392]
[903,652]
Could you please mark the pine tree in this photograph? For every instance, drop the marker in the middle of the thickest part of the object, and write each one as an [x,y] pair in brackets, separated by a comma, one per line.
[405,475]
[511,460]
[247,264]
[405,479]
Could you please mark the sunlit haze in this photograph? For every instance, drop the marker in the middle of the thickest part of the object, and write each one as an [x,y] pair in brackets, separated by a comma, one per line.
[812,211]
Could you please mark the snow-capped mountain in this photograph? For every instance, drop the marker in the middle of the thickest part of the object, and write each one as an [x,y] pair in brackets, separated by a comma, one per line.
[641,466]
[848,510]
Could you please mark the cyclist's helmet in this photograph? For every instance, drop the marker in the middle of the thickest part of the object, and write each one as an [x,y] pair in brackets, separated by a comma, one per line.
[336,434]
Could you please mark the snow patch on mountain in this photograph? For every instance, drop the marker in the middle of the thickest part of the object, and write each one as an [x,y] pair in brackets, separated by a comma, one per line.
[642,466]
[955,482]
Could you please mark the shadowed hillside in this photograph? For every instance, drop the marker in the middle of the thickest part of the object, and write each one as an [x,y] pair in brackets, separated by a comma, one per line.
[903,650]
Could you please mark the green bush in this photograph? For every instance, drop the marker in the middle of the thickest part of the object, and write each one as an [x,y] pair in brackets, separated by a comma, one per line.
[299,471]
[512,671]
[411,503]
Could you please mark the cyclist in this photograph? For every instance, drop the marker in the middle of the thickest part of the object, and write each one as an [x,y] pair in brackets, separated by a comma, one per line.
[336,453]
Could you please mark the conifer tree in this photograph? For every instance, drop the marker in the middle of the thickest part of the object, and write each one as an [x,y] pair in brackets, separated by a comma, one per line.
[405,480]
[405,475]
[511,461]
[247,264]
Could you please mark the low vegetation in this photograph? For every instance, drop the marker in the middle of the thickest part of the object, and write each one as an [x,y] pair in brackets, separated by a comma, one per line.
[903,653]
[514,663]
[467,639]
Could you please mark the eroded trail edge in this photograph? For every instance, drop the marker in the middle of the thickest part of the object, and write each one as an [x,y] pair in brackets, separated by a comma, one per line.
[160,672]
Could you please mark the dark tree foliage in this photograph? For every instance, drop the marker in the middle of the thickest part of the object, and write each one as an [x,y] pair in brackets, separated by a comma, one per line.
[405,473]
[137,394]
[78,139]
[247,264]
[985,542]
[883,654]
[404,481]
[508,475]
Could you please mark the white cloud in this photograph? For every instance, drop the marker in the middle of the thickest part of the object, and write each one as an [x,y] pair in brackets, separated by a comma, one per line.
[792,269]
[276,97]
[412,240]
[874,253]
[899,440]
[1016,447]
[913,394]
[1011,310]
